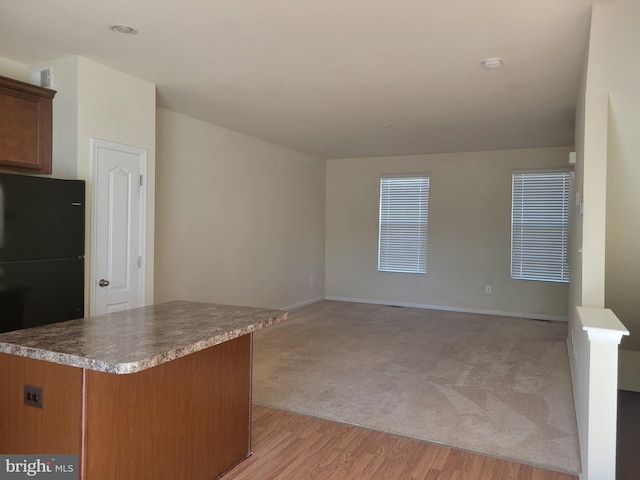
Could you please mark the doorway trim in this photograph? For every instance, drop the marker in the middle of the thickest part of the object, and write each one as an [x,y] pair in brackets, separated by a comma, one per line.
[96,145]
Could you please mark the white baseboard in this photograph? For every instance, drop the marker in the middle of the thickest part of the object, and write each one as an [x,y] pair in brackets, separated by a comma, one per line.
[629,370]
[534,316]
[303,304]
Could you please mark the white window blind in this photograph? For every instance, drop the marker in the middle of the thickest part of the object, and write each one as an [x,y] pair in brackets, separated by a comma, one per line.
[404,214]
[540,226]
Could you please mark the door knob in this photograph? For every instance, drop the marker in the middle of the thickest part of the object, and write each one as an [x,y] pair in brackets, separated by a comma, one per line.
[103,282]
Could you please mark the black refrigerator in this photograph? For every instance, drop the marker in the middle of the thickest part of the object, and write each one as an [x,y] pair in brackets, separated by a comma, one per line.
[41,250]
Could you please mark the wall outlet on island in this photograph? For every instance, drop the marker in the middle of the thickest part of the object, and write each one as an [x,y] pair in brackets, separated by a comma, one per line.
[33,396]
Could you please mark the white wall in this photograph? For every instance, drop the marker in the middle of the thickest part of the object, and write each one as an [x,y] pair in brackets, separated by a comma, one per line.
[120,108]
[611,144]
[615,67]
[12,69]
[587,236]
[65,117]
[238,220]
[604,250]
[468,240]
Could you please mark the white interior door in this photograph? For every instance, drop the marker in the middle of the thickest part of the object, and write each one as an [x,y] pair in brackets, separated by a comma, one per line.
[118,227]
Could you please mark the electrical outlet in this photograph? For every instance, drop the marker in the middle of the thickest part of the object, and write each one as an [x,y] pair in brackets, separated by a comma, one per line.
[488,289]
[33,396]
[312,281]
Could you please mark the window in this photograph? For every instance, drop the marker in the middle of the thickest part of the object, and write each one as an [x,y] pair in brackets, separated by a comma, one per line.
[540,226]
[404,207]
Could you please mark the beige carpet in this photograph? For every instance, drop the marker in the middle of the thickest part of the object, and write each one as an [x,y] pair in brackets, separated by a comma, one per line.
[495,385]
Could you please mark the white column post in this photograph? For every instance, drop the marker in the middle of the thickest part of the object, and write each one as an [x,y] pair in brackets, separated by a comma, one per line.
[604,332]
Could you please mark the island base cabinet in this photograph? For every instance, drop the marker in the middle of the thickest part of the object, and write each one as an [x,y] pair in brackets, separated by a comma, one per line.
[188,418]
[185,419]
[53,429]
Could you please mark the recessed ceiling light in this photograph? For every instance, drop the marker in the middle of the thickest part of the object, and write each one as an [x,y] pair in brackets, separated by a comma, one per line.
[492,63]
[123,29]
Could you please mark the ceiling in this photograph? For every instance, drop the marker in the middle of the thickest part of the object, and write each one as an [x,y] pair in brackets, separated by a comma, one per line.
[336,78]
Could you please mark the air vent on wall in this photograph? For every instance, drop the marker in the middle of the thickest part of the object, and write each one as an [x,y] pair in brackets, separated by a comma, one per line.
[42,76]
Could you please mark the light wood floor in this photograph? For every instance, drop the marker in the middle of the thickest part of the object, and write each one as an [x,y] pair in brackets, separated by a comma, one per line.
[287,446]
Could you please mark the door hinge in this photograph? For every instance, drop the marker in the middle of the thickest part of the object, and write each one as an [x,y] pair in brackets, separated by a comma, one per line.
[140,180]
[139,261]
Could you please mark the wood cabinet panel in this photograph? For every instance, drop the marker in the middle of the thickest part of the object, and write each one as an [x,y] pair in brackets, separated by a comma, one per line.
[54,429]
[185,419]
[25,126]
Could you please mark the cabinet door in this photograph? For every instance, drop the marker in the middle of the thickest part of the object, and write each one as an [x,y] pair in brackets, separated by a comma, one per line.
[25,126]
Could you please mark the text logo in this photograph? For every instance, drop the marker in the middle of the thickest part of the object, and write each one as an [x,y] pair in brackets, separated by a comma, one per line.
[50,467]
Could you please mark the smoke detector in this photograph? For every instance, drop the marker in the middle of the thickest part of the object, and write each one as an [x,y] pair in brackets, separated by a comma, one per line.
[492,63]
[123,29]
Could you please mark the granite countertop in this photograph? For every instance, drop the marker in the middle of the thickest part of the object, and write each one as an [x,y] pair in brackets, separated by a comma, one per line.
[140,338]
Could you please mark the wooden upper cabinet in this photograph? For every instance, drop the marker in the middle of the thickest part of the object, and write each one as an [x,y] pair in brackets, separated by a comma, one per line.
[25,126]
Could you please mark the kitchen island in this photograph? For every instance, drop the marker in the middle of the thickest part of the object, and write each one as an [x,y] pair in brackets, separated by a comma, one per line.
[161,392]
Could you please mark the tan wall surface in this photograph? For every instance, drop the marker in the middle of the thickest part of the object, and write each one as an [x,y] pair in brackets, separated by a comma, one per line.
[239,220]
[468,239]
